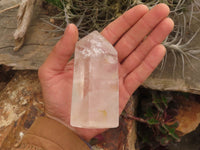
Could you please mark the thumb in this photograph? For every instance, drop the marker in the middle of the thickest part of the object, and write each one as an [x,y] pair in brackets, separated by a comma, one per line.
[61,53]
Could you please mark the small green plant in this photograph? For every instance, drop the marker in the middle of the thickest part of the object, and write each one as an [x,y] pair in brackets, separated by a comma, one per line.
[156,121]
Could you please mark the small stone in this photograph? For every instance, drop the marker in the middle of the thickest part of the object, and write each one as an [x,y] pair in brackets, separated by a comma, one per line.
[95,96]
[52,20]
[188,114]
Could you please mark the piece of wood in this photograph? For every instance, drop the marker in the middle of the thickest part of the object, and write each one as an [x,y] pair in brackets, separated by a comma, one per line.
[6,9]
[37,45]
[24,18]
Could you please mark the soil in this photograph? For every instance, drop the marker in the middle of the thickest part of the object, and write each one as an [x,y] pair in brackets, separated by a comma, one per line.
[190,141]
[6,74]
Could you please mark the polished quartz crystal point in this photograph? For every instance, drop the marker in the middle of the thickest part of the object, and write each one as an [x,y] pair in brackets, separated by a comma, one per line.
[95,95]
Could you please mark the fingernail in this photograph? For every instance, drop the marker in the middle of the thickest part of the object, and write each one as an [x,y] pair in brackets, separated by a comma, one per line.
[68,28]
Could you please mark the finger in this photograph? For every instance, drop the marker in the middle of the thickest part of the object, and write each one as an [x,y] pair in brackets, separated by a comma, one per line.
[124,96]
[62,52]
[142,72]
[140,30]
[155,38]
[118,27]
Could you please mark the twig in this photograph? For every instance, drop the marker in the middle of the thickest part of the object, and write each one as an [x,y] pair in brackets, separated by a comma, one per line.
[61,29]
[135,118]
[15,6]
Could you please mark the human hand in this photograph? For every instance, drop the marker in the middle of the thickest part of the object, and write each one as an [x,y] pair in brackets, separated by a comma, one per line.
[136,35]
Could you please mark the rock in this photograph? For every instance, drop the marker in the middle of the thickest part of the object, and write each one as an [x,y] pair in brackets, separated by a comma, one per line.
[95,96]
[188,114]
[20,103]
[2,85]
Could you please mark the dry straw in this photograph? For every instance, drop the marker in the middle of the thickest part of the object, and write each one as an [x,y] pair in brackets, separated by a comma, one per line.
[91,15]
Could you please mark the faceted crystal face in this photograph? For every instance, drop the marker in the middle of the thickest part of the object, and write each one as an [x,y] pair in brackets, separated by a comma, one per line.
[95,96]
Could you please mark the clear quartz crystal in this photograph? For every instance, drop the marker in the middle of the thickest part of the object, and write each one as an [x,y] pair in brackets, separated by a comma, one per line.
[95,96]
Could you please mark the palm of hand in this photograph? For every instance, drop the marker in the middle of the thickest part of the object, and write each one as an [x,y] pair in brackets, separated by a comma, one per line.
[59,100]
[135,64]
